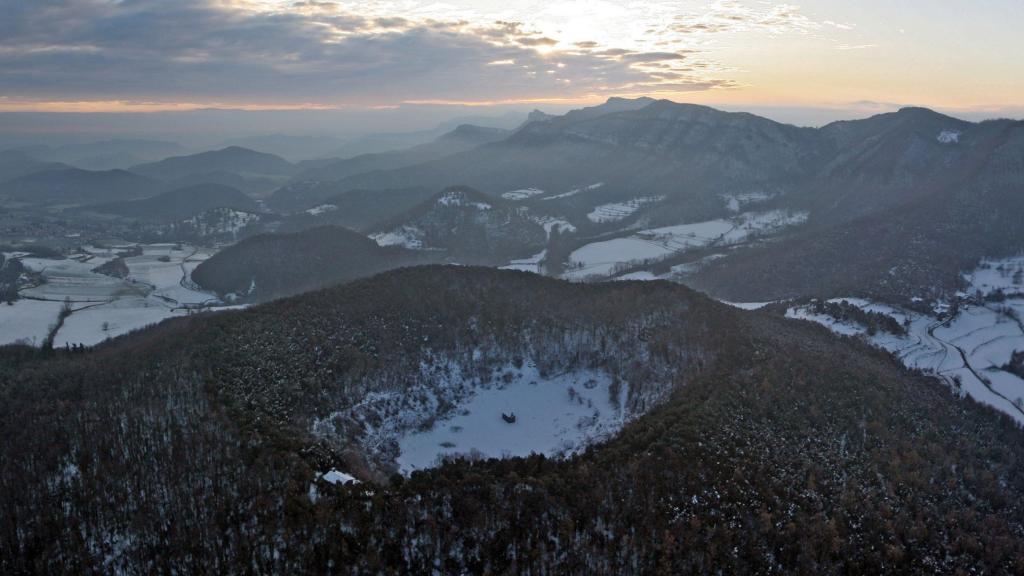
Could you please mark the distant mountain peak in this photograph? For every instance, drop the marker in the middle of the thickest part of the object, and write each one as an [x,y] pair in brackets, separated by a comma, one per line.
[472,131]
[538,116]
[640,100]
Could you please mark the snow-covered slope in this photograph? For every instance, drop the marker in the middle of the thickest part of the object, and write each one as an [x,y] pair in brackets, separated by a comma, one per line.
[968,344]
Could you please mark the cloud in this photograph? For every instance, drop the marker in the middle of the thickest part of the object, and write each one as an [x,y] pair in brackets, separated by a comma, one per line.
[728,16]
[302,53]
[542,41]
[652,56]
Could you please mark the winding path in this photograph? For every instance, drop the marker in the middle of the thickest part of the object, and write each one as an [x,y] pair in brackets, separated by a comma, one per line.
[966,363]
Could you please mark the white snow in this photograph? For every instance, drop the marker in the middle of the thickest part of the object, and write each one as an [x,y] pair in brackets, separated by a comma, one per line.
[531,264]
[72,279]
[985,336]
[642,275]
[456,198]
[949,137]
[405,235]
[735,202]
[619,210]
[27,321]
[602,258]
[522,194]
[333,476]
[550,222]
[554,416]
[1006,275]
[158,286]
[321,209]
[574,191]
[747,305]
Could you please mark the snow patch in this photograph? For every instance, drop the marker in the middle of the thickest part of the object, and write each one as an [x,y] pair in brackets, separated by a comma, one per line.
[1004,275]
[522,194]
[158,286]
[554,416]
[406,235]
[605,257]
[550,223]
[736,202]
[575,191]
[531,264]
[967,350]
[456,198]
[321,209]
[333,476]
[642,275]
[619,210]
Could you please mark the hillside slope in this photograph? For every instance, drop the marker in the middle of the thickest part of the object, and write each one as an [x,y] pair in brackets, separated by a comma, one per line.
[74,186]
[766,445]
[232,159]
[916,248]
[465,225]
[181,203]
[269,266]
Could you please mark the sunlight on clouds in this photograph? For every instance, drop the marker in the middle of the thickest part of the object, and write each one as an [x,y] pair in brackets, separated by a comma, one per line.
[284,53]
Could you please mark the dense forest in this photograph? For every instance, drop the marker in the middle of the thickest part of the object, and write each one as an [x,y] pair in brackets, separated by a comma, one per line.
[764,445]
[269,266]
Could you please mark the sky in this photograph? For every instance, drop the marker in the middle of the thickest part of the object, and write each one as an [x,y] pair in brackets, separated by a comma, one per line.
[805,64]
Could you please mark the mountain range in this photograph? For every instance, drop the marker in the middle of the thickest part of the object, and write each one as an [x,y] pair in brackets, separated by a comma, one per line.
[181,203]
[896,205]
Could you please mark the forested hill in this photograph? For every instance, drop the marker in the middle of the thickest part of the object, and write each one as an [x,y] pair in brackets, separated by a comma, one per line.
[274,265]
[760,445]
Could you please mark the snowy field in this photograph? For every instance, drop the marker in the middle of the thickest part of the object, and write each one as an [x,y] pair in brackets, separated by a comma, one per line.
[73,279]
[970,348]
[531,264]
[444,412]
[27,321]
[522,194]
[158,287]
[736,202]
[574,191]
[554,416]
[1005,275]
[619,210]
[600,259]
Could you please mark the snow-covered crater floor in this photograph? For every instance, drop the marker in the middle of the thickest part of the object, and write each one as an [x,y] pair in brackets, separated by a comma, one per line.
[555,416]
[446,413]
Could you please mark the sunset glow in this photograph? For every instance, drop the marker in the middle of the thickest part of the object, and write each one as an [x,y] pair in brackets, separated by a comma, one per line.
[285,55]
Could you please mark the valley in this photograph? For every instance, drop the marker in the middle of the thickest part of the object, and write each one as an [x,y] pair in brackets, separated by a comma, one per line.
[969,344]
[636,337]
[91,306]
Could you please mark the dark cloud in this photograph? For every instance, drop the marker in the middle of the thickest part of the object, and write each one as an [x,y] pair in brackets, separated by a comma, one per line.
[542,41]
[653,56]
[317,53]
